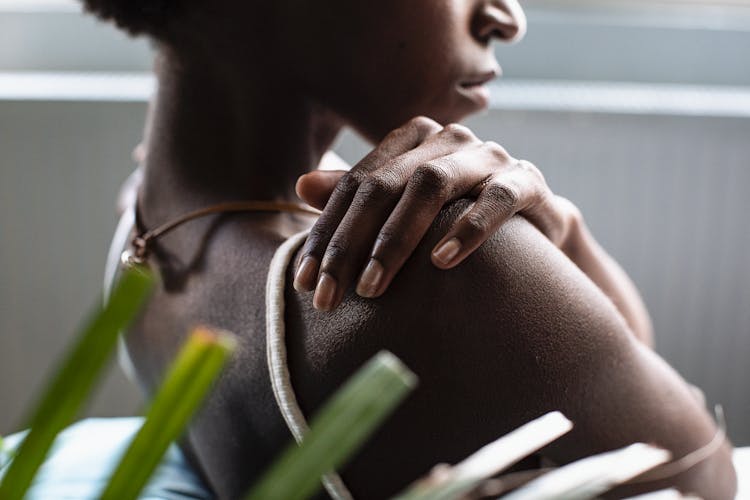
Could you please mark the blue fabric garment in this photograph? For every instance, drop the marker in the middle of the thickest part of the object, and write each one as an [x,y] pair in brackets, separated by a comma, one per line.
[85,455]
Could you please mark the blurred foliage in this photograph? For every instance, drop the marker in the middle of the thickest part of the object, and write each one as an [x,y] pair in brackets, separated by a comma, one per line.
[338,429]
[188,382]
[71,385]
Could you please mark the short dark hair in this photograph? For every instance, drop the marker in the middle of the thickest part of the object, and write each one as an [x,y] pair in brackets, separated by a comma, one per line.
[137,17]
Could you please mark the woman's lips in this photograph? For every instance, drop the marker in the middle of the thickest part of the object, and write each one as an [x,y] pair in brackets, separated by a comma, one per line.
[480,78]
[479,94]
[474,87]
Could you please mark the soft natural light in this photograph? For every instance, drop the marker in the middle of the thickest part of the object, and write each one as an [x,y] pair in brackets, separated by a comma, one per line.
[39,5]
[630,3]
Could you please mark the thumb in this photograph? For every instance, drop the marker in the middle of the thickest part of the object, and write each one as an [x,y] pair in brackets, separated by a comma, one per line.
[316,187]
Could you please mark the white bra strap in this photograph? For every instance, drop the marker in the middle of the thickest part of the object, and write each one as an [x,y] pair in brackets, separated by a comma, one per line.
[277,359]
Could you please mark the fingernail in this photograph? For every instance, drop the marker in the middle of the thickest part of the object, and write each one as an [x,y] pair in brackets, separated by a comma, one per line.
[304,280]
[369,281]
[447,251]
[325,293]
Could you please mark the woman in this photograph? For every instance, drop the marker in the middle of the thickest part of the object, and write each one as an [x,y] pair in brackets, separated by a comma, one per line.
[251,95]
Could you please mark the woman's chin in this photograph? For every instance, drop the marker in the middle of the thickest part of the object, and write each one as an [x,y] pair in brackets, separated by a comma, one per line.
[463,103]
[460,108]
[454,115]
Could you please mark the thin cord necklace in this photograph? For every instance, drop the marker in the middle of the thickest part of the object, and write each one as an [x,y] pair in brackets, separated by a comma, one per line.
[142,243]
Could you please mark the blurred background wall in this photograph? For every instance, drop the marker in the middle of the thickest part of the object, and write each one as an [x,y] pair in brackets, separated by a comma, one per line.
[637,111]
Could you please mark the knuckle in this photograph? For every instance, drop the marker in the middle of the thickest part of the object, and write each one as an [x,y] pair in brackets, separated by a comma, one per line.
[497,152]
[459,133]
[359,175]
[348,184]
[422,125]
[392,244]
[321,232]
[317,233]
[376,188]
[395,135]
[477,222]
[335,254]
[502,196]
[414,130]
[386,239]
[316,242]
[540,188]
[394,172]
[533,170]
[568,210]
[430,180]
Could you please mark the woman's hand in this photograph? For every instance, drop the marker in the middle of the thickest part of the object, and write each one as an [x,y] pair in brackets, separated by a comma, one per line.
[377,213]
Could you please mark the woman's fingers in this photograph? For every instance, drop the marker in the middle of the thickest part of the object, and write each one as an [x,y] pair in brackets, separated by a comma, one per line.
[497,203]
[556,217]
[316,187]
[506,193]
[399,141]
[307,270]
[422,175]
[374,202]
[376,214]
[429,188]
[348,247]
[426,192]
[553,215]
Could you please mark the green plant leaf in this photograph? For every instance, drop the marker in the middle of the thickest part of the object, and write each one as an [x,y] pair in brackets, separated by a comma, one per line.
[457,481]
[338,430]
[188,381]
[4,455]
[72,383]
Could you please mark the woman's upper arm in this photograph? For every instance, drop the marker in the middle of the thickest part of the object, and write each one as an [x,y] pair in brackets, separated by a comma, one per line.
[581,358]
[513,332]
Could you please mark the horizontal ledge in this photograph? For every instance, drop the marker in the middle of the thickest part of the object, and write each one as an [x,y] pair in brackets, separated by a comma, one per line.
[509,94]
[644,15]
[102,87]
[621,98]
[40,6]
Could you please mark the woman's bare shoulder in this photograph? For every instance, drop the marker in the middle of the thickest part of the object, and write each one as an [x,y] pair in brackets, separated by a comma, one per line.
[514,331]
[517,285]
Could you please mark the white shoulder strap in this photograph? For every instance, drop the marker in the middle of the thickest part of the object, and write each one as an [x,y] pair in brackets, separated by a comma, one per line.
[277,360]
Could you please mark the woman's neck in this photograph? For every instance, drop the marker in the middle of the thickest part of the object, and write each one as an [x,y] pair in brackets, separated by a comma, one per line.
[213,137]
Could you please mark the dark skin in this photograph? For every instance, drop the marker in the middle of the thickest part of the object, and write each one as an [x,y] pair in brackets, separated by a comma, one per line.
[519,328]
[574,354]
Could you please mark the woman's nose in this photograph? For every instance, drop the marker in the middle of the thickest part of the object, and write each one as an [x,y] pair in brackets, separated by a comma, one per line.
[502,19]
